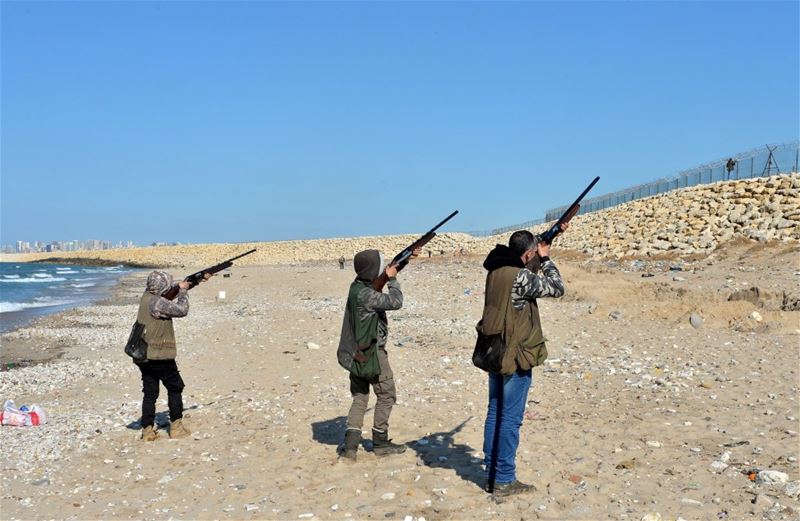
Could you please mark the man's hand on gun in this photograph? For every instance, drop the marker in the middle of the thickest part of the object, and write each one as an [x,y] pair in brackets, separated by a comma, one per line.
[188,285]
[391,269]
[543,249]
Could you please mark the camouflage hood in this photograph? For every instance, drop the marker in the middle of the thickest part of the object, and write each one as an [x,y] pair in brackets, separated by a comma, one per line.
[158,282]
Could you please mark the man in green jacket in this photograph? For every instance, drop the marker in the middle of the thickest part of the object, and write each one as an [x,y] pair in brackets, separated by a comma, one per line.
[362,351]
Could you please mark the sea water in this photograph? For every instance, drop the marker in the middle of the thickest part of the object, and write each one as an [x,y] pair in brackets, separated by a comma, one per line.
[31,290]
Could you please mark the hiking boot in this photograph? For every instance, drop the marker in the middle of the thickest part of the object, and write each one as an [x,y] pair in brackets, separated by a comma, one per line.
[178,430]
[511,489]
[352,439]
[383,446]
[149,434]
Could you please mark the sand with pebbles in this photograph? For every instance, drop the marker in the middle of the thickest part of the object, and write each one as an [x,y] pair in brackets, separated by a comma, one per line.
[636,412]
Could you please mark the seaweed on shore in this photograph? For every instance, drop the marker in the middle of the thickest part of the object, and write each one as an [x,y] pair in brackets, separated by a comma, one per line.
[93,261]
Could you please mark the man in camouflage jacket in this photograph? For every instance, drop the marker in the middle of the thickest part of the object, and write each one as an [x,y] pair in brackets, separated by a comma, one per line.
[510,309]
[156,314]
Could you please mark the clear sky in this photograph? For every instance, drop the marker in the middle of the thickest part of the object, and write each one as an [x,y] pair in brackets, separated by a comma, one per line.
[211,122]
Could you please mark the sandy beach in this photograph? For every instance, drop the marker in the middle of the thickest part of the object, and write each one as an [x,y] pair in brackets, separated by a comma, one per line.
[636,412]
[650,149]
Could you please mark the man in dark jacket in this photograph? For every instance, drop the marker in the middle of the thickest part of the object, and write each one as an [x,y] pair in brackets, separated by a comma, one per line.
[510,308]
[362,350]
[156,313]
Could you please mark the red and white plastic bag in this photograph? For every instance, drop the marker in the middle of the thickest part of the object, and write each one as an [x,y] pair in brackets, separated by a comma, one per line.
[23,417]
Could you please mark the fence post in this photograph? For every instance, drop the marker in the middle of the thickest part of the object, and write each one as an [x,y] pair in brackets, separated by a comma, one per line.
[752,163]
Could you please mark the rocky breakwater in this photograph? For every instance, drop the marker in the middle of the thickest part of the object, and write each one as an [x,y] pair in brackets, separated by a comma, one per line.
[688,221]
[278,252]
[693,220]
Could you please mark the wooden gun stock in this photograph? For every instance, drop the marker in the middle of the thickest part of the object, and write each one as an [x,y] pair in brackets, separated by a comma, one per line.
[380,281]
[196,278]
[401,259]
[171,293]
[548,236]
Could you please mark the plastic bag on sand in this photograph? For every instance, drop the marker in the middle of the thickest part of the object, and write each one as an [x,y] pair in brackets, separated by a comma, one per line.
[23,417]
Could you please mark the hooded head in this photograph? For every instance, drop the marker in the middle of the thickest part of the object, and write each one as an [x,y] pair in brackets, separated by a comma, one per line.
[158,282]
[368,264]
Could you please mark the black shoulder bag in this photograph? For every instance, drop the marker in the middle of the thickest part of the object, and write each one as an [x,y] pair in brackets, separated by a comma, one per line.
[489,351]
[136,347]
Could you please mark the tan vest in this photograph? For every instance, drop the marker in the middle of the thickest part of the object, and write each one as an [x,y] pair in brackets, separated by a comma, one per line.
[522,329]
[158,332]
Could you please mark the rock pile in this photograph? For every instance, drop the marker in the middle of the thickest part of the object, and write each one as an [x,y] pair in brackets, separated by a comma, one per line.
[689,221]
[693,220]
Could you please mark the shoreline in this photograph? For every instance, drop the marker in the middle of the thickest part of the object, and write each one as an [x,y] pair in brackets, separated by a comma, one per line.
[18,345]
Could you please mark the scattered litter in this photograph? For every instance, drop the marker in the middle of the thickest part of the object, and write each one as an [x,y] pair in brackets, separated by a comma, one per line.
[23,416]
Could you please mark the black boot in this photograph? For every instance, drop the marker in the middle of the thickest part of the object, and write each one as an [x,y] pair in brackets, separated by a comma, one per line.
[352,439]
[383,446]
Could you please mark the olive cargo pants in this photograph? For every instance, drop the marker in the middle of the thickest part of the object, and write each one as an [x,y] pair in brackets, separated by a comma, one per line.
[385,393]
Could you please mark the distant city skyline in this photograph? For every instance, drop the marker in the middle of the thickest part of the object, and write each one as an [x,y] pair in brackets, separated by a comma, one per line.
[258,121]
[56,246]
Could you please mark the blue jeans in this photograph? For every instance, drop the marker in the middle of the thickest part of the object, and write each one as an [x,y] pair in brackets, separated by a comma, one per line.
[508,395]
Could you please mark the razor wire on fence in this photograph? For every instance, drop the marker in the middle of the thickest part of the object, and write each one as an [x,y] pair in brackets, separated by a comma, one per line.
[759,162]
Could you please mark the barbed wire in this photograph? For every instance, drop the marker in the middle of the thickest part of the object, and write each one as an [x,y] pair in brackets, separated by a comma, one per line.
[767,160]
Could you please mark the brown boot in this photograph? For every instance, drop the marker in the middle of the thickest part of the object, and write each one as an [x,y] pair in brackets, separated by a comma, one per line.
[149,434]
[178,430]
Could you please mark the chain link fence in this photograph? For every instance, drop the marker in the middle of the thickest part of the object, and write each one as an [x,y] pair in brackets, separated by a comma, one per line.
[758,162]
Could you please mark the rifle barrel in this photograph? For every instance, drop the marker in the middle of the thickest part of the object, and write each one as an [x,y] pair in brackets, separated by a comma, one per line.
[580,197]
[447,219]
[240,256]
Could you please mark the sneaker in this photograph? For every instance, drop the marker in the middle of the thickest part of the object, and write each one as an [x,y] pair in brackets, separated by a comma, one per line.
[512,488]
[178,430]
[149,434]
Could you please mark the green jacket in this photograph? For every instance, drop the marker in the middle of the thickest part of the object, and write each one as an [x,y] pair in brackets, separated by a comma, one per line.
[365,323]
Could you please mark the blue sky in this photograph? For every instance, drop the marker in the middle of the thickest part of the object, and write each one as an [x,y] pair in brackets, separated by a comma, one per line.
[211,122]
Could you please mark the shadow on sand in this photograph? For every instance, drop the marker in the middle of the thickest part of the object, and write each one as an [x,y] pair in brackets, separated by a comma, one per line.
[162,421]
[439,450]
[329,432]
